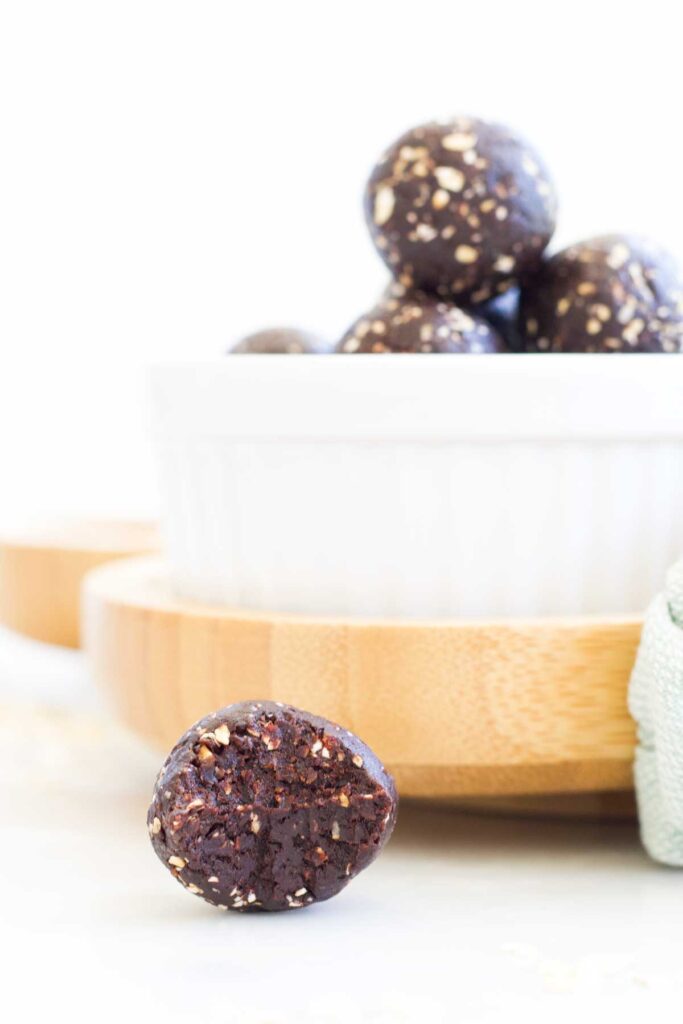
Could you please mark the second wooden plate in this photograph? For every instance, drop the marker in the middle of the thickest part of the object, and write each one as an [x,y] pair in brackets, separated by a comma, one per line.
[41,571]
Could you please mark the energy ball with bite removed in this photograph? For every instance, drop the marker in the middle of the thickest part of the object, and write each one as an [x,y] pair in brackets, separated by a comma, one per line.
[415,322]
[463,209]
[261,806]
[280,341]
[613,293]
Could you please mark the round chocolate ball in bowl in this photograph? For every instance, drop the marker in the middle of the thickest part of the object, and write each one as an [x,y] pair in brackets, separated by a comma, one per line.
[463,209]
[614,293]
[261,806]
[280,341]
[404,322]
[503,314]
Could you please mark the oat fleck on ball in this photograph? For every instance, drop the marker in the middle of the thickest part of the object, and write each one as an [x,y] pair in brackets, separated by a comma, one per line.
[261,806]
[406,321]
[280,341]
[614,293]
[463,209]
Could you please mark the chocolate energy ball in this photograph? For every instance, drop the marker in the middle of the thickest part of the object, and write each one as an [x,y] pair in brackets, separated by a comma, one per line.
[261,806]
[404,321]
[280,341]
[610,294]
[503,314]
[463,209]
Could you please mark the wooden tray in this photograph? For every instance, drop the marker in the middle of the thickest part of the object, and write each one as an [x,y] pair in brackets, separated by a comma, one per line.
[41,572]
[456,709]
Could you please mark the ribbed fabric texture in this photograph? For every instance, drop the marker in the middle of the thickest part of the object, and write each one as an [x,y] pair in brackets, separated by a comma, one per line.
[656,703]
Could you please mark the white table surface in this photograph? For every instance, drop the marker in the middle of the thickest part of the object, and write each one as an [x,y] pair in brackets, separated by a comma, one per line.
[463,918]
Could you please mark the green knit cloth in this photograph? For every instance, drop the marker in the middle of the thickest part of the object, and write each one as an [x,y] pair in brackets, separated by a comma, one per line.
[656,703]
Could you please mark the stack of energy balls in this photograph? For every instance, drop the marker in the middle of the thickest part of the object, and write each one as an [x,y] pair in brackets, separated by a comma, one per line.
[462,213]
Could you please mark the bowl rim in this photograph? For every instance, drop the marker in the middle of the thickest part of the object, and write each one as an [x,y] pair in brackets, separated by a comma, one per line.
[421,398]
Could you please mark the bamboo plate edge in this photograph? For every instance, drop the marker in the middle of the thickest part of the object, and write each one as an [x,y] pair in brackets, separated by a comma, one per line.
[455,709]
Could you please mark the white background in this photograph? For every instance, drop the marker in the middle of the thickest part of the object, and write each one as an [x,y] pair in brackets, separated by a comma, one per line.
[175,173]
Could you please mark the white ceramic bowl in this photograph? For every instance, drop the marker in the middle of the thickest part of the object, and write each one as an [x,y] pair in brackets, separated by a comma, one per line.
[422,486]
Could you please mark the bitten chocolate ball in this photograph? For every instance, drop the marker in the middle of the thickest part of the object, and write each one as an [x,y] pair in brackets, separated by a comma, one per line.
[463,209]
[404,321]
[280,341]
[261,806]
[609,294]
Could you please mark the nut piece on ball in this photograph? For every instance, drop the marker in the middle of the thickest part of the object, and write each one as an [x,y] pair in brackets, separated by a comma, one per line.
[280,341]
[405,322]
[463,209]
[609,294]
[261,806]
